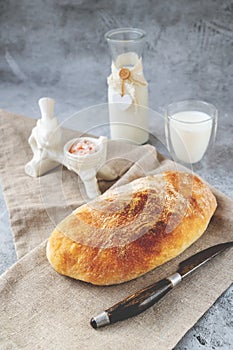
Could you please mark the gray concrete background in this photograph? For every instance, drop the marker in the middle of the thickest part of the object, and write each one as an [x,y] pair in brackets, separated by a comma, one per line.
[56,48]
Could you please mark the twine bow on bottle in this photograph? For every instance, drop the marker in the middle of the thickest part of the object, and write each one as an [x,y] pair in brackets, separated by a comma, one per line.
[124,80]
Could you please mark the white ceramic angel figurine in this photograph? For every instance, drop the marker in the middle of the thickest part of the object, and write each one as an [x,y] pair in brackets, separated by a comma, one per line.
[48,152]
[45,141]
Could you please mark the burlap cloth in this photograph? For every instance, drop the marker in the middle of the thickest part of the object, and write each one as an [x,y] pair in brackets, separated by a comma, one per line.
[39,309]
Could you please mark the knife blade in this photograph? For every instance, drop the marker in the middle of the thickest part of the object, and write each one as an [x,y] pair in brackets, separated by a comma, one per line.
[143,299]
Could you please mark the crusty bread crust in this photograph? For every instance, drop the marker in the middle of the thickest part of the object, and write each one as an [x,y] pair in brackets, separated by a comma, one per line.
[129,231]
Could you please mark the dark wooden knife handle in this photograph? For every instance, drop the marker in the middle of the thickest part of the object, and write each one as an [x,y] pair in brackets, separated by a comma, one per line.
[139,302]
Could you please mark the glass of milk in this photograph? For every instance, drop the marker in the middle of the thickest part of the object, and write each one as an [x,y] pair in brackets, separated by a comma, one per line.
[127,87]
[190,128]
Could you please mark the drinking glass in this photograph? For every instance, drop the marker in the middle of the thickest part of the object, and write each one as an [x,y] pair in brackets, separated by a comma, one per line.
[190,128]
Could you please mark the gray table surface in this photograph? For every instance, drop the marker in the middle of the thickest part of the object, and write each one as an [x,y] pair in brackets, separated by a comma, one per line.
[56,48]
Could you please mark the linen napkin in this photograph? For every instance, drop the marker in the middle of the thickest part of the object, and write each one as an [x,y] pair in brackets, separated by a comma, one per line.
[40,309]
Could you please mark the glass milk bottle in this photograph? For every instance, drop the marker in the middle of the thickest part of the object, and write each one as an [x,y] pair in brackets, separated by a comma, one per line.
[127,87]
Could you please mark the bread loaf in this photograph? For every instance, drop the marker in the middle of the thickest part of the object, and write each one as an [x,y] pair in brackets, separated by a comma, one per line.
[132,229]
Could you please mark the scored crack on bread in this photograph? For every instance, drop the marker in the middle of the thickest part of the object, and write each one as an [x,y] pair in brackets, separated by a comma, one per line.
[132,229]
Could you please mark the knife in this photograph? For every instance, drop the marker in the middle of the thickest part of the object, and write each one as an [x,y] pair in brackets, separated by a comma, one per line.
[143,299]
